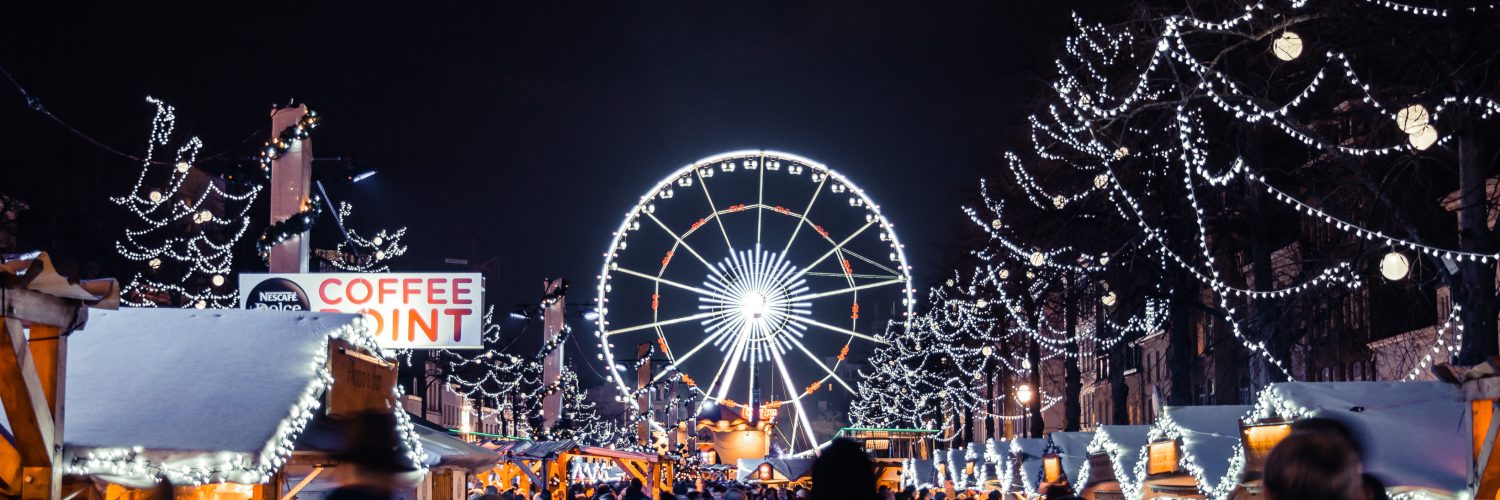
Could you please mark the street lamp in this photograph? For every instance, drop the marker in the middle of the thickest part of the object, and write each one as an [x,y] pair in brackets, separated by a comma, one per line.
[1023,393]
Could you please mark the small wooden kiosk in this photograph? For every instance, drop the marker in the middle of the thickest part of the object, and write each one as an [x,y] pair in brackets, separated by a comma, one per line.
[1194,453]
[545,464]
[1419,438]
[1109,473]
[891,449]
[784,472]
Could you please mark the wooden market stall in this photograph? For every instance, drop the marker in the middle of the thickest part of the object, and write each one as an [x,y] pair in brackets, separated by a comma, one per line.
[222,403]
[1065,458]
[917,472]
[1416,437]
[1192,452]
[996,460]
[545,464]
[1109,473]
[783,472]
[39,310]
[891,449]
[1024,472]
[452,463]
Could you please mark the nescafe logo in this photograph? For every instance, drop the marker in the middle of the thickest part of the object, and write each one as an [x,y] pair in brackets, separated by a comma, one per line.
[279,294]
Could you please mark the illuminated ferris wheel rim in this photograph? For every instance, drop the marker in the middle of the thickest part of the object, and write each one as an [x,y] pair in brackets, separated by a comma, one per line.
[691,169]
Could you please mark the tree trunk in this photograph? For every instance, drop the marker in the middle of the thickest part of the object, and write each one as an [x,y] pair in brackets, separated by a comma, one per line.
[1476,288]
[1038,426]
[1180,342]
[1119,391]
[1072,378]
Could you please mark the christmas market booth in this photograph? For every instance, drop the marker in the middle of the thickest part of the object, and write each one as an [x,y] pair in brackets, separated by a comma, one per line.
[1194,452]
[784,472]
[891,449]
[1109,473]
[227,404]
[550,464]
[1416,437]
[1067,455]
[996,459]
[918,472]
[452,463]
[1024,472]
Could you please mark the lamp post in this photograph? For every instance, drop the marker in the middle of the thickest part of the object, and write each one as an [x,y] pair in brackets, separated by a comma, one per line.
[1023,395]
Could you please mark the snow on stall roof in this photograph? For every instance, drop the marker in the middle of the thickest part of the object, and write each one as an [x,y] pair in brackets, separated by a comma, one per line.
[1122,444]
[1210,444]
[1072,449]
[1414,434]
[191,380]
[919,472]
[1029,451]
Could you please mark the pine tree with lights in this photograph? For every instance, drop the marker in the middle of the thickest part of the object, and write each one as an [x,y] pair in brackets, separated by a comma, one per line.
[184,225]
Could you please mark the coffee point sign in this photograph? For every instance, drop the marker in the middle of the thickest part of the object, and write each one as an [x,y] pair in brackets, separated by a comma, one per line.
[406,310]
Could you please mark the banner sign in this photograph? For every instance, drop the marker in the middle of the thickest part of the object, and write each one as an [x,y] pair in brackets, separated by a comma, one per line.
[408,310]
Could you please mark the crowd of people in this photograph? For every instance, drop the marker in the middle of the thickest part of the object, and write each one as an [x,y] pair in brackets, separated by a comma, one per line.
[1319,458]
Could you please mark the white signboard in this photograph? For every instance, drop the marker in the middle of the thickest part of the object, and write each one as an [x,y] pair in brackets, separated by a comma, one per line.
[408,310]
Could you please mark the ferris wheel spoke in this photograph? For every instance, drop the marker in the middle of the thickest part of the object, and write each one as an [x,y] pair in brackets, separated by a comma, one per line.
[666,322]
[851,289]
[684,244]
[855,275]
[819,362]
[870,261]
[838,329]
[718,216]
[760,198]
[664,281]
[791,388]
[803,219]
[733,360]
[832,250]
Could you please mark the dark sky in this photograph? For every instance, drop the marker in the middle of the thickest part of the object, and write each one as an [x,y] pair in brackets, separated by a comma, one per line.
[524,131]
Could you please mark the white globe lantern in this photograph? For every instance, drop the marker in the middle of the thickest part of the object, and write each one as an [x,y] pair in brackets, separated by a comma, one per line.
[1394,266]
[1412,118]
[1287,46]
[1424,138]
[1037,259]
[1108,299]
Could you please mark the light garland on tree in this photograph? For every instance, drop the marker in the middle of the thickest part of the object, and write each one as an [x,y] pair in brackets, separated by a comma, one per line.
[179,233]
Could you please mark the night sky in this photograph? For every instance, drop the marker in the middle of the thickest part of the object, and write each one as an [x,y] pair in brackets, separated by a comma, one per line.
[525,131]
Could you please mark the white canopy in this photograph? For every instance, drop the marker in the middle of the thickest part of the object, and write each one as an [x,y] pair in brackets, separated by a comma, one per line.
[1211,450]
[1072,449]
[198,395]
[1413,434]
[1123,445]
[1027,453]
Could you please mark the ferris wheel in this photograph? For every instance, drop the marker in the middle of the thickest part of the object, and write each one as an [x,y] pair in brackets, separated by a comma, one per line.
[757,275]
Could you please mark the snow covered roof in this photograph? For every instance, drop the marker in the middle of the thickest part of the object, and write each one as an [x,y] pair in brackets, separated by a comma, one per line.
[1073,450]
[198,395]
[1210,450]
[790,469]
[916,472]
[1028,454]
[445,449]
[1424,431]
[1122,444]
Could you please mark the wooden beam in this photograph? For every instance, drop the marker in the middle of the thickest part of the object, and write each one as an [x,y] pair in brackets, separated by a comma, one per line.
[37,307]
[302,484]
[24,400]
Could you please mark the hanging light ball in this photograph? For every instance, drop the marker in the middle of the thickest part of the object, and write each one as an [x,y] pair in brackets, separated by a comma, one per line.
[380,255]
[1412,118]
[155,263]
[949,282]
[155,196]
[1394,266]
[987,350]
[981,303]
[1287,46]
[378,241]
[1424,138]
[183,166]
[1038,259]
[996,224]
[1108,299]
[1059,201]
[218,280]
[1101,180]
[200,305]
[1122,152]
[1004,273]
[203,216]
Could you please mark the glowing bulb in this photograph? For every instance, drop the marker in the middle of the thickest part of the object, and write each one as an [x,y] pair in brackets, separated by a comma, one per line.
[183,166]
[155,263]
[1101,180]
[1424,138]
[201,304]
[378,241]
[1394,266]
[1004,273]
[1287,46]
[1025,364]
[1059,202]
[1108,299]
[987,350]
[1038,259]
[155,196]
[1023,393]
[1413,118]
[981,303]
[203,216]
[753,305]
[379,254]
[218,280]
[996,224]
[1122,152]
